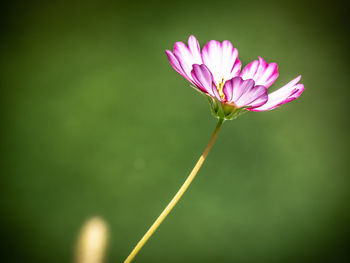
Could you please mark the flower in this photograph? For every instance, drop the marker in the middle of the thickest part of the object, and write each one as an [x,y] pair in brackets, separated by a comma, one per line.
[216,72]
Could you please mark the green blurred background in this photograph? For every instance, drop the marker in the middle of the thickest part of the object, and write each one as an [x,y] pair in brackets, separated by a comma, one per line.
[94,121]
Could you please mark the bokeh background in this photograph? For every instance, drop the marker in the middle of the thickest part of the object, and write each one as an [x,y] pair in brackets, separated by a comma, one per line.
[95,122]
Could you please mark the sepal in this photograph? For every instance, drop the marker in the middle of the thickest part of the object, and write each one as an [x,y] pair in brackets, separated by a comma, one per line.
[222,110]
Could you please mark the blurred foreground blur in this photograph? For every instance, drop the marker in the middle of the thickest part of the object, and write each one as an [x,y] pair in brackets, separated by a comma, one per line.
[92,241]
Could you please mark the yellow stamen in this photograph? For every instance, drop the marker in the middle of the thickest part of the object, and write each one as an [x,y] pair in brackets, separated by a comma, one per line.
[220,88]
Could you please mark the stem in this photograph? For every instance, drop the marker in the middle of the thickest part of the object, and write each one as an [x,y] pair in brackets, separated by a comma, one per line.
[177,197]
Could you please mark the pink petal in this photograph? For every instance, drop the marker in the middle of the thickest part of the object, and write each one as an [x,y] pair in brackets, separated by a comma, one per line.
[287,93]
[244,93]
[188,55]
[194,48]
[228,90]
[175,64]
[257,97]
[202,78]
[216,93]
[236,69]
[221,59]
[239,87]
[249,71]
[262,73]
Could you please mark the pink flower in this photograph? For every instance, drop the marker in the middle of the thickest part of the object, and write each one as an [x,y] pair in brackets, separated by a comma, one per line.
[216,72]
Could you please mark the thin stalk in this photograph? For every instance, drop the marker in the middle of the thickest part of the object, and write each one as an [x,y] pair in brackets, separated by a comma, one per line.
[177,197]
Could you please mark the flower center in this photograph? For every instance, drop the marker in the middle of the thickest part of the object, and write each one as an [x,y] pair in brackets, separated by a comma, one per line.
[220,88]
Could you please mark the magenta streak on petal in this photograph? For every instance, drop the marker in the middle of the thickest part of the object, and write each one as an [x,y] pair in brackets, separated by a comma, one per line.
[268,75]
[175,64]
[229,60]
[244,93]
[236,88]
[194,48]
[236,69]
[241,87]
[202,78]
[261,68]
[262,73]
[187,56]
[251,93]
[249,71]
[287,93]
[257,97]
[228,90]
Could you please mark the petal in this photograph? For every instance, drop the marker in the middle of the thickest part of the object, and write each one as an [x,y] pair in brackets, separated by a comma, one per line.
[262,73]
[236,69]
[240,86]
[249,71]
[216,93]
[202,78]
[228,90]
[287,93]
[221,59]
[187,56]
[175,64]
[257,96]
[194,48]
[244,93]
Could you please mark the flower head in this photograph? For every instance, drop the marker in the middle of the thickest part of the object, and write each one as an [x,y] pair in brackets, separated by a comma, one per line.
[216,72]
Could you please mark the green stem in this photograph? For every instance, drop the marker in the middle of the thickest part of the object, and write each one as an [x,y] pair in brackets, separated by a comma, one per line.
[177,197]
